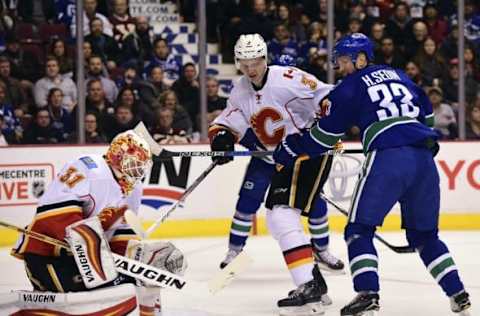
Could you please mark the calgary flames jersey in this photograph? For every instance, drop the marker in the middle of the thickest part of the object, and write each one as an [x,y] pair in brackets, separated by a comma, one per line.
[84,188]
[289,101]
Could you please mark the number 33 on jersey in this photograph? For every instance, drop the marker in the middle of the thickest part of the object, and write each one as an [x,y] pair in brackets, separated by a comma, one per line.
[287,102]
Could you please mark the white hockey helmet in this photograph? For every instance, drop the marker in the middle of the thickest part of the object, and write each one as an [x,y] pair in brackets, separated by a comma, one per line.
[250,46]
[130,158]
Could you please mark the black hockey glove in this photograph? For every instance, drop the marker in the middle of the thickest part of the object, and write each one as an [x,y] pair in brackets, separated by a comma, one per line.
[223,140]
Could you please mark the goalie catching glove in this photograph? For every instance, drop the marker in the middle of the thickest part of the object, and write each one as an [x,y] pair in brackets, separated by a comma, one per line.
[162,255]
[222,140]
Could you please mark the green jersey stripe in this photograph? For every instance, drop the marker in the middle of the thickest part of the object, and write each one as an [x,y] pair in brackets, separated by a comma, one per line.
[324,138]
[379,127]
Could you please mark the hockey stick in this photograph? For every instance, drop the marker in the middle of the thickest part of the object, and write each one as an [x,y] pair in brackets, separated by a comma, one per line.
[165,154]
[397,249]
[134,221]
[150,274]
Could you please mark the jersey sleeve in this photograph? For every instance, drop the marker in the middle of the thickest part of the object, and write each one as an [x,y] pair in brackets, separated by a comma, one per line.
[328,130]
[233,118]
[60,206]
[306,87]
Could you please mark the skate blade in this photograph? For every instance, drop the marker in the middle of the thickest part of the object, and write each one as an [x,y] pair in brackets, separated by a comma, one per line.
[331,271]
[310,309]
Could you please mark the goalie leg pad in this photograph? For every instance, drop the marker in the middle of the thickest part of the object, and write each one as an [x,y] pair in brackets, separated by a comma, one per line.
[120,299]
[160,254]
[91,252]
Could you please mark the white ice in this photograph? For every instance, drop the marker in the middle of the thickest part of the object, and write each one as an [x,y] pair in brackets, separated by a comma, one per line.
[406,287]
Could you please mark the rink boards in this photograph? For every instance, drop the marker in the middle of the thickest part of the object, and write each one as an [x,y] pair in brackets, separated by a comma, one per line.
[25,172]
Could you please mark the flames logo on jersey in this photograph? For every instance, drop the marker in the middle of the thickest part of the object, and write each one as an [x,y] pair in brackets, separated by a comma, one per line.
[259,125]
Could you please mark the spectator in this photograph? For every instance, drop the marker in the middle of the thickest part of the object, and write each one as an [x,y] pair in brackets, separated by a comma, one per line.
[6,21]
[187,90]
[415,43]
[445,121]
[41,130]
[90,12]
[97,71]
[10,127]
[123,24]
[282,44]
[450,85]
[215,103]
[471,64]
[65,11]
[389,55]
[437,26]
[431,62]
[316,42]
[449,48]
[24,65]
[92,134]
[149,92]
[377,33]
[295,28]
[53,79]
[354,25]
[15,95]
[61,119]
[58,49]
[259,21]
[399,26]
[103,45]
[413,72]
[181,119]
[162,57]
[473,120]
[163,132]
[317,64]
[137,45]
[36,12]
[127,97]
[3,140]
[97,103]
[123,121]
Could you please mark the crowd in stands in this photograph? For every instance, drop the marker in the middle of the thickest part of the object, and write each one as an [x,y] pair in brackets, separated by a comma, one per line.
[131,74]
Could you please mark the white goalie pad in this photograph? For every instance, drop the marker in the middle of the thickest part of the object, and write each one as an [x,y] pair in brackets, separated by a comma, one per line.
[115,300]
[91,252]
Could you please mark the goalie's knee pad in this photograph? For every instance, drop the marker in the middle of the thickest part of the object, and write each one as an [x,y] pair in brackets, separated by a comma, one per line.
[160,254]
[418,239]
[283,220]
[356,230]
[247,204]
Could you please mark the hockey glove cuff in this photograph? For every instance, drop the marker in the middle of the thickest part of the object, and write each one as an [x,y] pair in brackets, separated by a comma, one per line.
[288,150]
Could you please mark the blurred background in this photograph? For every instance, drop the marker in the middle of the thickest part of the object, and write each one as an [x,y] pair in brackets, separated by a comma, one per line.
[170,63]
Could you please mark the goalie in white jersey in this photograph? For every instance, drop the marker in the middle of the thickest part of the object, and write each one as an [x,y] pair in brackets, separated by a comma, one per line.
[93,192]
[277,101]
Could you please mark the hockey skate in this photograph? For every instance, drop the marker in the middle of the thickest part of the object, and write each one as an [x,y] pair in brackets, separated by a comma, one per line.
[460,303]
[364,304]
[326,261]
[308,299]
[231,254]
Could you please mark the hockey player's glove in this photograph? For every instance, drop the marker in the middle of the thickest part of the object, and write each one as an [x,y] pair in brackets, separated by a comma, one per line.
[288,151]
[223,140]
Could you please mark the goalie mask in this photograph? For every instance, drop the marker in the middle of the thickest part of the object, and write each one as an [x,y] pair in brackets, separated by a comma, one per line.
[130,158]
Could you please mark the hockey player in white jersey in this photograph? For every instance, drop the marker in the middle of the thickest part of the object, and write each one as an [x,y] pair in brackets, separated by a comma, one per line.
[88,198]
[277,101]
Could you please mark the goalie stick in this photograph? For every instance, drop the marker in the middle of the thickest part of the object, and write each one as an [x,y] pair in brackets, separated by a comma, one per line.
[150,274]
[397,249]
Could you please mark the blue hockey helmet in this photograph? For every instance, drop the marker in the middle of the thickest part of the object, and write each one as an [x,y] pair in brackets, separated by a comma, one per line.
[351,45]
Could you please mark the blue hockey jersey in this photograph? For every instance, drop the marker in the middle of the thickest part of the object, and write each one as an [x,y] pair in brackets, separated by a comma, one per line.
[390,110]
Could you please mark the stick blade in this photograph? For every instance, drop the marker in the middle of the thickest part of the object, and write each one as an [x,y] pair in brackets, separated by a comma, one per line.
[134,221]
[142,131]
[227,274]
